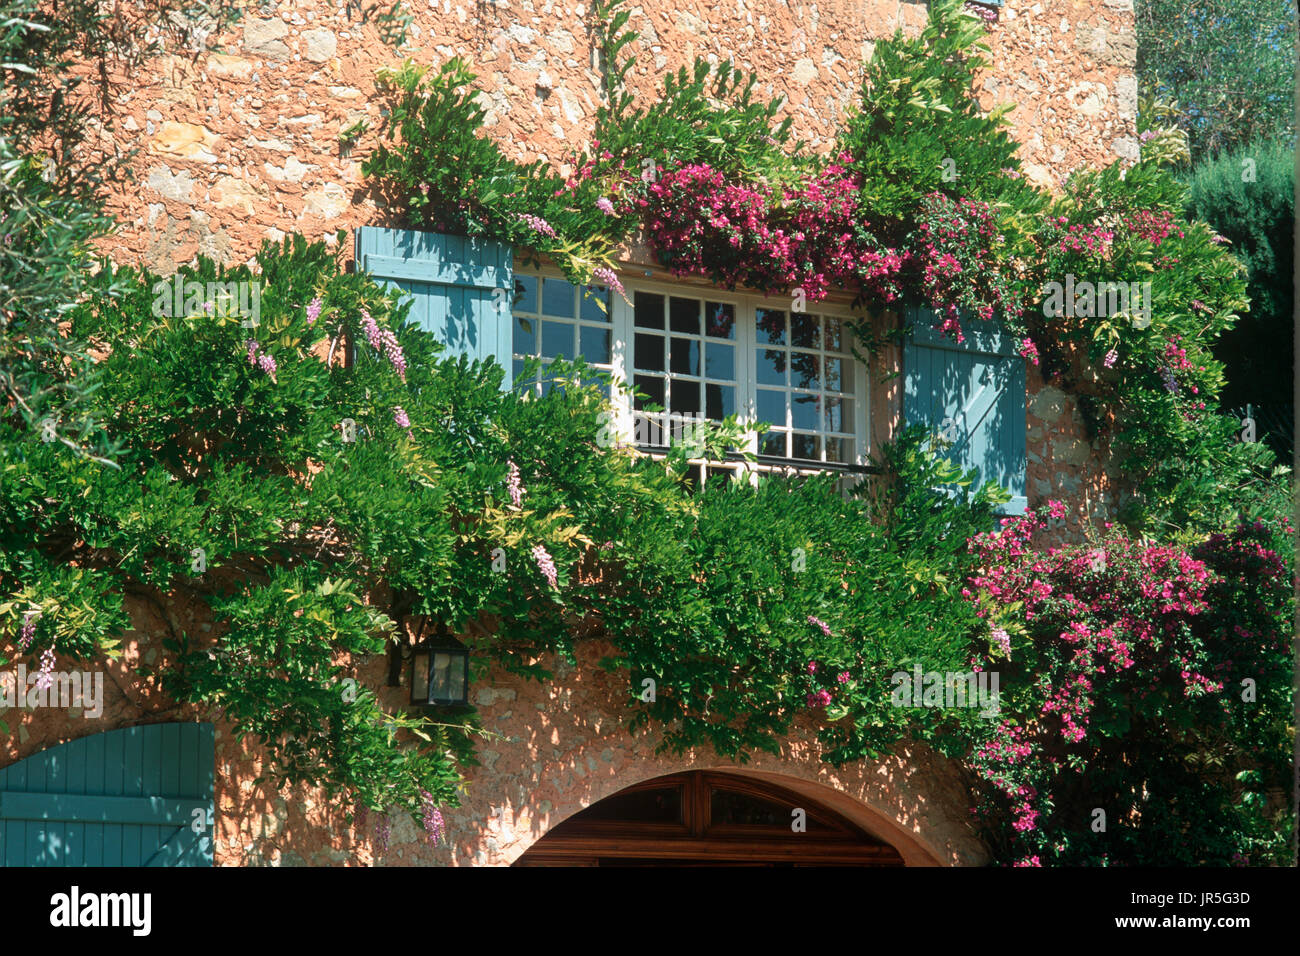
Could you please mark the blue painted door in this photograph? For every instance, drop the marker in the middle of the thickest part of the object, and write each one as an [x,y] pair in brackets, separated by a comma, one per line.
[140,796]
[973,394]
[461,289]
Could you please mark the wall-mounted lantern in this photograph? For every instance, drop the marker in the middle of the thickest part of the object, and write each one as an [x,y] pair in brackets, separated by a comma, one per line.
[439,671]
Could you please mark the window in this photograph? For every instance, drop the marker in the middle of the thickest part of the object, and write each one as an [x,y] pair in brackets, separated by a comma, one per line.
[700,353]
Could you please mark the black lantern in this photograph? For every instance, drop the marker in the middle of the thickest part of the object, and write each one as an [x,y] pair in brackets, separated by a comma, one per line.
[440,671]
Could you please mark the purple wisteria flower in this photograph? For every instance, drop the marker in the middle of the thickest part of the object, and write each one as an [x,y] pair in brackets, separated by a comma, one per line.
[399,416]
[383,831]
[1003,640]
[546,564]
[1170,382]
[383,340]
[515,486]
[435,828]
[29,630]
[605,206]
[267,364]
[252,347]
[360,814]
[820,623]
[608,277]
[45,677]
[1111,358]
[537,224]
[313,311]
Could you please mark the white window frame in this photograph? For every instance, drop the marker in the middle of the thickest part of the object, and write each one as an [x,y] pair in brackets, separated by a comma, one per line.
[746,306]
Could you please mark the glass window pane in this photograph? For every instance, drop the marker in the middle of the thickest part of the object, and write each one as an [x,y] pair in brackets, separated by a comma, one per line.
[557,339]
[720,361]
[644,806]
[805,330]
[834,415]
[771,407]
[771,326]
[684,315]
[772,443]
[594,344]
[525,293]
[557,298]
[834,374]
[649,352]
[653,388]
[685,355]
[589,304]
[649,310]
[840,450]
[771,367]
[806,446]
[833,335]
[805,370]
[525,335]
[685,397]
[721,401]
[721,320]
[804,411]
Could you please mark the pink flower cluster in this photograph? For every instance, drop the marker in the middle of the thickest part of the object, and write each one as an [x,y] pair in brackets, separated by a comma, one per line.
[265,361]
[1089,240]
[1153,225]
[819,698]
[313,311]
[45,676]
[435,828]
[811,237]
[546,564]
[954,261]
[825,628]
[537,224]
[28,631]
[515,486]
[383,340]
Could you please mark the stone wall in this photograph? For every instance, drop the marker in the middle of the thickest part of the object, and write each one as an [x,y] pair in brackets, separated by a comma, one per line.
[243,144]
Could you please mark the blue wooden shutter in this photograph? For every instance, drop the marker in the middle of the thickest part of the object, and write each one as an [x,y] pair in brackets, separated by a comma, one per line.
[978,386]
[122,798]
[453,283]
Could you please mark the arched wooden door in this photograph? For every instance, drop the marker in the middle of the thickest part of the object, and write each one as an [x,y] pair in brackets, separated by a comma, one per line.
[705,818]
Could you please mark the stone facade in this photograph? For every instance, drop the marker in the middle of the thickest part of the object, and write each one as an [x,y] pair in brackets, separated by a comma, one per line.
[241,145]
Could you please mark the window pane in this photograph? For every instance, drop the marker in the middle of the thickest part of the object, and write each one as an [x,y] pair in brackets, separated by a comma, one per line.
[727,807]
[805,370]
[653,388]
[594,344]
[721,322]
[721,401]
[720,361]
[685,355]
[771,367]
[525,293]
[589,307]
[805,330]
[684,315]
[557,339]
[806,446]
[834,415]
[557,298]
[840,449]
[649,310]
[772,443]
[833,334]
[771,326]
[525,335]
[649,352]
[771,407]
[685,396]
[645,806]
[834,374]
[804,411]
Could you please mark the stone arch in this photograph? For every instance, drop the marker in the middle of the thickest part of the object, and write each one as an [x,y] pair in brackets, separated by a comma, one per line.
[564,747]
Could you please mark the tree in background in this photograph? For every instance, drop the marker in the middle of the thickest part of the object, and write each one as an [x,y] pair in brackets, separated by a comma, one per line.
[1230,65]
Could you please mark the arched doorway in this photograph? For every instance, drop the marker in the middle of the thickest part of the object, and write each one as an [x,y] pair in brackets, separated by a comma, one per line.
[707,818]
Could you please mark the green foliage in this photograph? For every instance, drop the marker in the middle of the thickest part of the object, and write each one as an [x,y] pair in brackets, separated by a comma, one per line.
[1247,195]
[919,128]
[1230,63]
